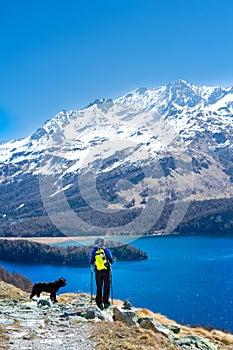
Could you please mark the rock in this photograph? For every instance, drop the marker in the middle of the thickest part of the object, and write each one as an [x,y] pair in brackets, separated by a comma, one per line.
[173,328]
[65,314]
[130,317]
[54,343]
[203,343]
[88,313]
[150,323]
[44,302]
[92,313]
[127,305]
[63,324]
[29,305]
[196,342]
[4,320]
[19,334]
[22,315]
[108,314]
[33,323]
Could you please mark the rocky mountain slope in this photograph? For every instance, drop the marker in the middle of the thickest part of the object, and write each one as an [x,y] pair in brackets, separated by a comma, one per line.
[76,323]
[121,166]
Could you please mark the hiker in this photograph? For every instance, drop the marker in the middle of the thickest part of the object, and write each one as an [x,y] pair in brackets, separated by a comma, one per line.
[101,260]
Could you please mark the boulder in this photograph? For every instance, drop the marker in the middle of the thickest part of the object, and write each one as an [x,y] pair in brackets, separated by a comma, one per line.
[196,342]
[130,317]
[150,323]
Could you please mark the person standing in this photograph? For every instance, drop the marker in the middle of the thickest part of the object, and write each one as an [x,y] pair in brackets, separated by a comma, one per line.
[101,260]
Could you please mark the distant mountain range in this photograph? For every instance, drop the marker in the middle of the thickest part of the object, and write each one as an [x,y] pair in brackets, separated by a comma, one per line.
[153,160]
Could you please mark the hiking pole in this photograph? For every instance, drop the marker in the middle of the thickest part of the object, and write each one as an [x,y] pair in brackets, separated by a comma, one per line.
[111,286]
[91,284]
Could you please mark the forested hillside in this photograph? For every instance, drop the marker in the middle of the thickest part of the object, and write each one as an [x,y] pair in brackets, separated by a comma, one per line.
[26,251]
[15,278]
[209,217]
[26,216]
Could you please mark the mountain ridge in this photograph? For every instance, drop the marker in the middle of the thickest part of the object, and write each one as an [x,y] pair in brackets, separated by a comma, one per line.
[169,144]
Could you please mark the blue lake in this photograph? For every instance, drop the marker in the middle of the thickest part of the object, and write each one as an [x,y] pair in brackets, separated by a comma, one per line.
[187,278]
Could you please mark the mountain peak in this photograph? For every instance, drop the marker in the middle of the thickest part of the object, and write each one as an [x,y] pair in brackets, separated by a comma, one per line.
[141,90]
[99,102]
[181,82]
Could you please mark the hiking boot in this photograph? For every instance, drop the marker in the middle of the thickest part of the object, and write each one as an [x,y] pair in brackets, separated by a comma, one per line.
[100,306]
[106,306]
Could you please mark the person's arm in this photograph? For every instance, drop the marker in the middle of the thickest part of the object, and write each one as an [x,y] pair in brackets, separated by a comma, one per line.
[109,255]
[93,257]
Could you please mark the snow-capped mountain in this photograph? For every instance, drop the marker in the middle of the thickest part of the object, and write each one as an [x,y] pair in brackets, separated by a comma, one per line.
[176,140]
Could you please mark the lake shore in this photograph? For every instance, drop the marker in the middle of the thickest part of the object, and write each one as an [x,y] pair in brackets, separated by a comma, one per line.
[51,240]
[84,240]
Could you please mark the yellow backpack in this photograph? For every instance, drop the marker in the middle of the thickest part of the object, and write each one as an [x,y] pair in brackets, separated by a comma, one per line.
[100,259]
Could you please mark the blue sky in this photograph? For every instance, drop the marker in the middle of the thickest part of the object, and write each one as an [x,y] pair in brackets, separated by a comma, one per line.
[62,54]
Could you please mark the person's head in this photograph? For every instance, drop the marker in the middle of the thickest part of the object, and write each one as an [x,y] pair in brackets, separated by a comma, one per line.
[99,242]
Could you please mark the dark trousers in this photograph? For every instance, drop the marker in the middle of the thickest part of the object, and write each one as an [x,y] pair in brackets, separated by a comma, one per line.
[103,280]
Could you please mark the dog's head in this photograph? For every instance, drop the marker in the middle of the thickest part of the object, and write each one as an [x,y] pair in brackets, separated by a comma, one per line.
[61,282]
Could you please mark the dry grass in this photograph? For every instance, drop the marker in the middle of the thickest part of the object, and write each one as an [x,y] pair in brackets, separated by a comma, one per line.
[119,336]
[9,291]
[4,338]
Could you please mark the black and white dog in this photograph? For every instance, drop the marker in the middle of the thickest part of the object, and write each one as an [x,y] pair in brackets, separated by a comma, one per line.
[49,287]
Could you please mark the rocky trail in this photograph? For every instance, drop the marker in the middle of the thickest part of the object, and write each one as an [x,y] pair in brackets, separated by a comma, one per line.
[76,323]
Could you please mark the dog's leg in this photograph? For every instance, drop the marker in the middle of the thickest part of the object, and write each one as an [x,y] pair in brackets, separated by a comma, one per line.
[53,297]
[32,295]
